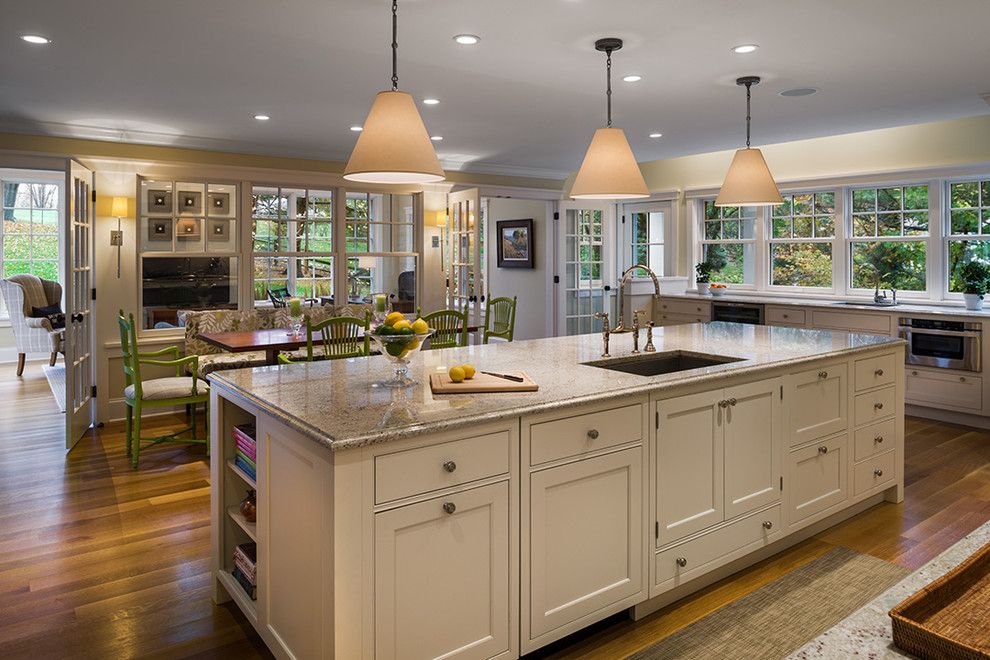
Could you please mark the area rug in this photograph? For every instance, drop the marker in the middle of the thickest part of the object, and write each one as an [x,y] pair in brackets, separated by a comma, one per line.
[780,617]
[56,381]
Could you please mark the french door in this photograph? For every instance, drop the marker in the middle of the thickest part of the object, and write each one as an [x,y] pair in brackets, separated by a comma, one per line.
[585,259]
[79,306]
[466,275]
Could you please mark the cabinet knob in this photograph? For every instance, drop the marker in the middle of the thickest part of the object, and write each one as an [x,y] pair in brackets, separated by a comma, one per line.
[681,561]
[593,434]
[962,379]
[450,466]
[878,373]
[767,524]
[785,316]
[449,507]
[732,401]
[823,374]
[723,403]
[914,373]
[823,449]
[878,472]
[878,439]
[878,405]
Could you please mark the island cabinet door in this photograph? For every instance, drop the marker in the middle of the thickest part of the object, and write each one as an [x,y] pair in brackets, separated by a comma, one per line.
[586,543]
[442,577]
[753,446]
[817,478]
[817,401]
[689,465]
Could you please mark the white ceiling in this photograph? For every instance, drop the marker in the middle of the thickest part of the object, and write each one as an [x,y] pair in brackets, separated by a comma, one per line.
[526,99]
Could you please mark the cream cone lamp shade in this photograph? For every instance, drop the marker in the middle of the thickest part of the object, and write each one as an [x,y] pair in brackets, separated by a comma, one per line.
[748,182]
[609,170]
[394,146]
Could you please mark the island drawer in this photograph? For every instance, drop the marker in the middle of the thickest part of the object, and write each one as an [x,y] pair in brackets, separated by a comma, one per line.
[785,315]
[684,561]
[871,406]
[426,469]
[687,308]
[873,472]
[875,439]
[875,371]
[583,433]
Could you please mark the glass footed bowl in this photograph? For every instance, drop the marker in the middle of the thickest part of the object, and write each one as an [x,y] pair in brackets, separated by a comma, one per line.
[398,349]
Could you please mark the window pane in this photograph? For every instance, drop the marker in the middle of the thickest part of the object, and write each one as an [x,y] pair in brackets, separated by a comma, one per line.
[395,276]
[803,226]
[314,277]
[781,228]
[825,226]
[965,222]
[899,265]
[16,267]
[889,199]
[314,237]
[712,229]
[961,252]
[640,232]
[825,203]
[803,204]
[801,264]
[864,200]
[264,203]
[782,209]
[734,262]
[730,229]
[916,223]
[864,225]
[44,247]
[171,285]
[889,224]
[964,195]
[46,270]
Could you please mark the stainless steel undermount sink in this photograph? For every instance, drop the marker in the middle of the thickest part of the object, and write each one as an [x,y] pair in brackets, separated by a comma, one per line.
[655,364]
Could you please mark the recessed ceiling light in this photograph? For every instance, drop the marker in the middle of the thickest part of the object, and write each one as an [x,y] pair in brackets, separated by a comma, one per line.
[467,39]
[35,39]
[656,135]
[431,101]
[742,49]
[357,129]
[262,117]
[632,78]
[436,138]
[799,91]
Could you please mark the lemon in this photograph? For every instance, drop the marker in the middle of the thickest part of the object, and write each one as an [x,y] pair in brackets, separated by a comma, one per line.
[420,327]
[399,325]
[394,318]
[456,374]
[469,371]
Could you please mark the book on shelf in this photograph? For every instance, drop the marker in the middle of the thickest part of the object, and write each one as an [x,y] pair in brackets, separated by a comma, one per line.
[247,459]
[250,572]
[245,467]
[251,451]
[245,432]
[246,584]
[248,552]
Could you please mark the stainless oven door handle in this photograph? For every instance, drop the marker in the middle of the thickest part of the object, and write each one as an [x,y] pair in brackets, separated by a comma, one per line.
[906,331]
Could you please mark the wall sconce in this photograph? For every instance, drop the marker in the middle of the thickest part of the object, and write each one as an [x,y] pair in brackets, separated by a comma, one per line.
[118,209]
[440,219]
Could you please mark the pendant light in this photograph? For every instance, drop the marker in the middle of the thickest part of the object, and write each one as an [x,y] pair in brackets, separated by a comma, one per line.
[748,181]
[394,146]
[609,170]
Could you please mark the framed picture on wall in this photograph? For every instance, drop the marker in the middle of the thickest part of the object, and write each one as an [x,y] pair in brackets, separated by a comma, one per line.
[187,229]
[219,203]
[219,230]
[159,201]
[190,202]
[160,230]
[515,243]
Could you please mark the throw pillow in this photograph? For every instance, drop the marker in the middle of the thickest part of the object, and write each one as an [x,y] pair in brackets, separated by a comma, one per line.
[53,313]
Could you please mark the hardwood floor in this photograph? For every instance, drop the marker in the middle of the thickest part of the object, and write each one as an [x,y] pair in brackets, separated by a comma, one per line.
[101,561]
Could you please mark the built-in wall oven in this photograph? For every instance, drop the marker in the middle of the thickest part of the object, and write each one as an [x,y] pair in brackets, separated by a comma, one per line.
[943,344]
[738,312]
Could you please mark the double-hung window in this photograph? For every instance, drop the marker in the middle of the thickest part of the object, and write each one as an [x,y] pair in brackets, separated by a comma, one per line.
[888,244]
[729,243]
[647,239]
[800,238]
[380,248]
[968,232]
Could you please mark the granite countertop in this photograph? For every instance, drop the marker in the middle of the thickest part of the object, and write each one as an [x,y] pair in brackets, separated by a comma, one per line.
[338,404]
[900,308]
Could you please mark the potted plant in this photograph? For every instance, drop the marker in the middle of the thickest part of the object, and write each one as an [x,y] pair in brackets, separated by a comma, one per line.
[703,274]
[975,276]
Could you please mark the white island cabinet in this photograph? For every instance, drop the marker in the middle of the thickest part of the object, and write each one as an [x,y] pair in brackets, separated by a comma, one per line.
[398,524]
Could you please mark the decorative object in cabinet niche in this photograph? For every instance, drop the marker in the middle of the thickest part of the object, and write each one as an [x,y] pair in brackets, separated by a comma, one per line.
[249,507]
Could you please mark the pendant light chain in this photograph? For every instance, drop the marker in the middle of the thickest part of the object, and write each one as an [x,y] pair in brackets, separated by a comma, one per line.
[608,87]
[749,87]
[395,45]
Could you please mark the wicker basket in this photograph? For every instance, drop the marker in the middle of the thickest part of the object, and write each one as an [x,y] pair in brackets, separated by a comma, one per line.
[949,618]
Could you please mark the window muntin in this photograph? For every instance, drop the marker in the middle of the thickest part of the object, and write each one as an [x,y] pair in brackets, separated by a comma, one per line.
[888,243]
[800,235]
[729,239]
[967,228]
[648,239]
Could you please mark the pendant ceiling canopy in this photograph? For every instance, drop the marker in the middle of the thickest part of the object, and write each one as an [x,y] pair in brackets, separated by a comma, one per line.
[748,181]
[394,146]
[609,169]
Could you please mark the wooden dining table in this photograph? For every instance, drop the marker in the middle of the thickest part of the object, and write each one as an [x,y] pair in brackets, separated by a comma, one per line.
[272,341]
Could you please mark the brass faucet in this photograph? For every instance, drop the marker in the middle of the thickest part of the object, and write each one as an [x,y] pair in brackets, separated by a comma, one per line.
[604,317]
[619,327]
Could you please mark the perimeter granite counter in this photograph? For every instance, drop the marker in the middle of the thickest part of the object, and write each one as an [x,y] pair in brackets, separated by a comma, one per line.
[398,523]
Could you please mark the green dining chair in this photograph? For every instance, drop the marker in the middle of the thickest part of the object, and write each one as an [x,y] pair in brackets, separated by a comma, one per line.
[340,337]
[450,325]
[500,318]
[178,390]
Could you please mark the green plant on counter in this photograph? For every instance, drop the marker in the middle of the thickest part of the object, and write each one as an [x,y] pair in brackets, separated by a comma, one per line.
[975,277]
[704,272]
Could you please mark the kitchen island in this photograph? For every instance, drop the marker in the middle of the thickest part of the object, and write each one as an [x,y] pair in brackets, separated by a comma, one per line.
[396,523]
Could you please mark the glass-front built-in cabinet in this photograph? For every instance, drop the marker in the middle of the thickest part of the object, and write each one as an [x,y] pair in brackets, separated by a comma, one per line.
[187,249]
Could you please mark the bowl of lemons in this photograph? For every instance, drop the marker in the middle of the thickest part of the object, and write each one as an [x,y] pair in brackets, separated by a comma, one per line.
[398,338]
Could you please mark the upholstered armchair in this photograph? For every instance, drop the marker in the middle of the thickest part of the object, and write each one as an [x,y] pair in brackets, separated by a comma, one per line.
[31,334]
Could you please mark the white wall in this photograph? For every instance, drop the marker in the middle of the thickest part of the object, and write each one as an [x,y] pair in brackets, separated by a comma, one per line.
[533,305]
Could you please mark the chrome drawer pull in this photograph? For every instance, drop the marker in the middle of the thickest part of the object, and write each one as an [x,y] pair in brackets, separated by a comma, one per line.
[767,524]
[878,405]
[732,401]
[449,507]
[450,466]
[878,472]
[962,379]
[823,449]
[723,403]
[878,373]
[878,439]
[682,562]
[593,434]
[823,374]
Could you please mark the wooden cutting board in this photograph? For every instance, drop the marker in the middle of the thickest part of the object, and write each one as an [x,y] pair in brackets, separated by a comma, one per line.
[440,383]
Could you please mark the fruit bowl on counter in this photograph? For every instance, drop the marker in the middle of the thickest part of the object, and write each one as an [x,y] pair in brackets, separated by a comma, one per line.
[717,290]
[398,338]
